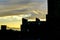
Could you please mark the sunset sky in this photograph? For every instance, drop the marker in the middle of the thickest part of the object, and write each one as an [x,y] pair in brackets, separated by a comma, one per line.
[12,11]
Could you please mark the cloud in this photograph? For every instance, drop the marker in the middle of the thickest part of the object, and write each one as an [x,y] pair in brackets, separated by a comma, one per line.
[12,11]
[8,8]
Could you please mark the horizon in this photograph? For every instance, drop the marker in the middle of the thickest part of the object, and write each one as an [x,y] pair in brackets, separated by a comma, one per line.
[12,11]
[17,26]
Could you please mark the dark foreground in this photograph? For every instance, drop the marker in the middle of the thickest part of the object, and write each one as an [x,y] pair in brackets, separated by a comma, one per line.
[30,30]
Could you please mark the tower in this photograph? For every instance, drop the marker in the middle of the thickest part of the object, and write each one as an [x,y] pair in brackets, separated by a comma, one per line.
[3,27]
[37,21]
[24,25]
[24,21]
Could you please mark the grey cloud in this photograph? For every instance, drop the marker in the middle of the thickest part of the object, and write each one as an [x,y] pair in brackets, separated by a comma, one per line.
[14,12]
[10,2]
[19,12]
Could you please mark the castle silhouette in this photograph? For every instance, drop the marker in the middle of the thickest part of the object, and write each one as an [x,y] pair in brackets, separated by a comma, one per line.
[29,29]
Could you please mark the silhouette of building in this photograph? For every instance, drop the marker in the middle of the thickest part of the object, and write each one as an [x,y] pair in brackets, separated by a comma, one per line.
[36,28]
[24,21]
[10,34]
[33,29]
[30,26]
[3,27]
[24,26]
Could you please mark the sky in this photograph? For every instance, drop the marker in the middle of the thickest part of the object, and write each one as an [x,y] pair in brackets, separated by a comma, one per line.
[12,11]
